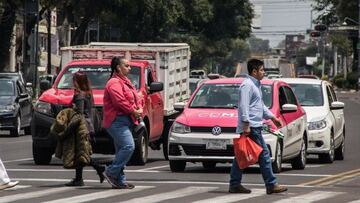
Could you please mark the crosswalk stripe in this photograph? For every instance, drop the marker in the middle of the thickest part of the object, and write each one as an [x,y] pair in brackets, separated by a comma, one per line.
[171,195]
[355,201]
[233,197]
[310,197]
[99,195]
[29,195]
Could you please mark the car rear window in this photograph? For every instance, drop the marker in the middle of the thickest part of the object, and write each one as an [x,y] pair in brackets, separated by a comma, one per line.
[224,96]
[7,88]
[98,76]
[308,94]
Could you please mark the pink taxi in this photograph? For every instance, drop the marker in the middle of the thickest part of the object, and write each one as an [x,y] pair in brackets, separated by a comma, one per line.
[205,129]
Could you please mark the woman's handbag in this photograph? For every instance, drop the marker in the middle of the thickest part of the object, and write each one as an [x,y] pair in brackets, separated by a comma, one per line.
[246,151]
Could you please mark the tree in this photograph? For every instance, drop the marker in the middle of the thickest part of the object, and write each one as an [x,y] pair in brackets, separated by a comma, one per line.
[258,45]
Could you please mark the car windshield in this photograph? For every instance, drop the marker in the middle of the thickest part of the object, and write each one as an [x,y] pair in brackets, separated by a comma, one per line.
[98,76]
[224,96]
[7,88]
[308,94]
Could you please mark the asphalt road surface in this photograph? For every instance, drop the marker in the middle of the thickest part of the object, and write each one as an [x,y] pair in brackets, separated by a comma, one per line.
[336,182]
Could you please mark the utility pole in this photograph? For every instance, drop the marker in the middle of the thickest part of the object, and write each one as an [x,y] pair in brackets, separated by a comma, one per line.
[48,41]
[358,50]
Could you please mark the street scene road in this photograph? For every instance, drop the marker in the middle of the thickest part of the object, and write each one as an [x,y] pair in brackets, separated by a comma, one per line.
[318,182]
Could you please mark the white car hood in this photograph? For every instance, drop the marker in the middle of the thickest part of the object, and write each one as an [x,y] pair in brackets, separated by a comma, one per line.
[315,113]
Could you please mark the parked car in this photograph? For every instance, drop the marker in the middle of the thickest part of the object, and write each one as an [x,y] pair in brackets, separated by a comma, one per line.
[18,76]
[205,129]
[325,116]
[15,105]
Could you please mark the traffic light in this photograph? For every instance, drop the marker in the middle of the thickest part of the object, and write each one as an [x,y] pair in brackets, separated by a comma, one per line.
[315,34]
[320,27]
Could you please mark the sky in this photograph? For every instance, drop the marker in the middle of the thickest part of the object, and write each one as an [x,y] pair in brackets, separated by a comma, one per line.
[280,17]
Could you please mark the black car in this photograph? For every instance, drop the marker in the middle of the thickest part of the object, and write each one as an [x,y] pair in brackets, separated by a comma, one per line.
[15,106]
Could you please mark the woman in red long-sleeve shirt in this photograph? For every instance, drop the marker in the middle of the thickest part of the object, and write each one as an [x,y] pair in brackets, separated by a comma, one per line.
[122,109]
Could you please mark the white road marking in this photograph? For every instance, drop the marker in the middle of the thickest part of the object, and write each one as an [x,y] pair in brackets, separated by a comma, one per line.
[310,197]
[146,171]
[29,195]
[151,168]
[18,160]
[99,195]
[156,182]
[170,195]
[355,201]
[233,197]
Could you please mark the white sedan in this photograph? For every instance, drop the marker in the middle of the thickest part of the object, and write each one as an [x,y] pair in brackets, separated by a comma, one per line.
[325,116]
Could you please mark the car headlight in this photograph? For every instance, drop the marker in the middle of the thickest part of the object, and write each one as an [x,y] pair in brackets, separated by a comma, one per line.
[317,125]
[7,108]
[180,128]
[43,107]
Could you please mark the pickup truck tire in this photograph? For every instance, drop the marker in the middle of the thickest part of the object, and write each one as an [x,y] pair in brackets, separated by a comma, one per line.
[165,138]
[329,157]
[209,164]
[41,155]
[299,162]
[16,131]
[177,166]
[277,164]
[140,154]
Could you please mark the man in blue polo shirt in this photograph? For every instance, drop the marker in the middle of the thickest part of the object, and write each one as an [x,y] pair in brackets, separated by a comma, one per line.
[251,112]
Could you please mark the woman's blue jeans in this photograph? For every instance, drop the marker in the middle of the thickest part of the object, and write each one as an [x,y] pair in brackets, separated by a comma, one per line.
[120,131]
[264,162]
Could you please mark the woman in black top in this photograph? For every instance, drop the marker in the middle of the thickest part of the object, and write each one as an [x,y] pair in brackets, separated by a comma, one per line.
[83,103]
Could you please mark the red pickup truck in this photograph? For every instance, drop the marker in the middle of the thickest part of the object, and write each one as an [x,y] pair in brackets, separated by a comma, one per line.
[59,96]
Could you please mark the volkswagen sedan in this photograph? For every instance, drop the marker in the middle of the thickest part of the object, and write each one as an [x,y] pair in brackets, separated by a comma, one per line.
[205,129]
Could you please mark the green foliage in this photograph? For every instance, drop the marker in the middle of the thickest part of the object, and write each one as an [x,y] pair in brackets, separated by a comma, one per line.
[342,42]
[352,79]
[258,45]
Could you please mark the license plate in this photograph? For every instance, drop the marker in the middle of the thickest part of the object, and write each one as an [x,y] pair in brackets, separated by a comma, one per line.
[216,144]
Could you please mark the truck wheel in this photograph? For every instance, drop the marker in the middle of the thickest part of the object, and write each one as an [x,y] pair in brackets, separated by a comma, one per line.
[41,155]
[209,164]
[276,165]
[299,162]
[165,138]
[177,166]
[140,154]
[329,157]
[16,131]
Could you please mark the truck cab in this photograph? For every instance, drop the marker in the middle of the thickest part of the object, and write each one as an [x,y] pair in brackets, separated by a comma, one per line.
[60,94]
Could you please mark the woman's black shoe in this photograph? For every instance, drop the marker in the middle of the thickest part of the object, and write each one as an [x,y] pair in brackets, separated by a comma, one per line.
[75,182]
[100,171]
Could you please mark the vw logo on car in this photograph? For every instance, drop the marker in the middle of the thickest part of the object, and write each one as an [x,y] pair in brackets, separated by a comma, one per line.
[216,130]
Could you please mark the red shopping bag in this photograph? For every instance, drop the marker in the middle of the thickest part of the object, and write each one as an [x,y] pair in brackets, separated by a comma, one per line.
[246,151]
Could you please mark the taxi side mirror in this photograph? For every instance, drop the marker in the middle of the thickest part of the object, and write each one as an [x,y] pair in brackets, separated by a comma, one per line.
[287,108]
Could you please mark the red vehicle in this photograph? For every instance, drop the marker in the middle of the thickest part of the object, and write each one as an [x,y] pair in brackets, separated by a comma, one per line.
[59,96]
[205,129]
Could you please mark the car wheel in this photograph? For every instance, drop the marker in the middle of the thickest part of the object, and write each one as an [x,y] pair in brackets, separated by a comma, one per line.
[177,166]
[16,131]
[340,151]
[209,164]
[329,157]
[276,165]
[299,162]
[140,154]
[41,155]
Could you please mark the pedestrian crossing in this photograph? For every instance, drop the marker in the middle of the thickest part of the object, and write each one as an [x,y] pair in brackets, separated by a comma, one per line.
[161,193]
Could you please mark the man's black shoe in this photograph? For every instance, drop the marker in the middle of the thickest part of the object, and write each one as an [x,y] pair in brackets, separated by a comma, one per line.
[75,182]
[276,189]
[239,189]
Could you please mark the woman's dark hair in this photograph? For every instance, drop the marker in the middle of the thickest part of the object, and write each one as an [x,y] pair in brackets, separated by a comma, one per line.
[82,83]
[254,64]
[115,61]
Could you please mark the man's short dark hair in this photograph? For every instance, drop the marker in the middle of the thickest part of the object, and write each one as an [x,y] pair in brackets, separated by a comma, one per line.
[254,64]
